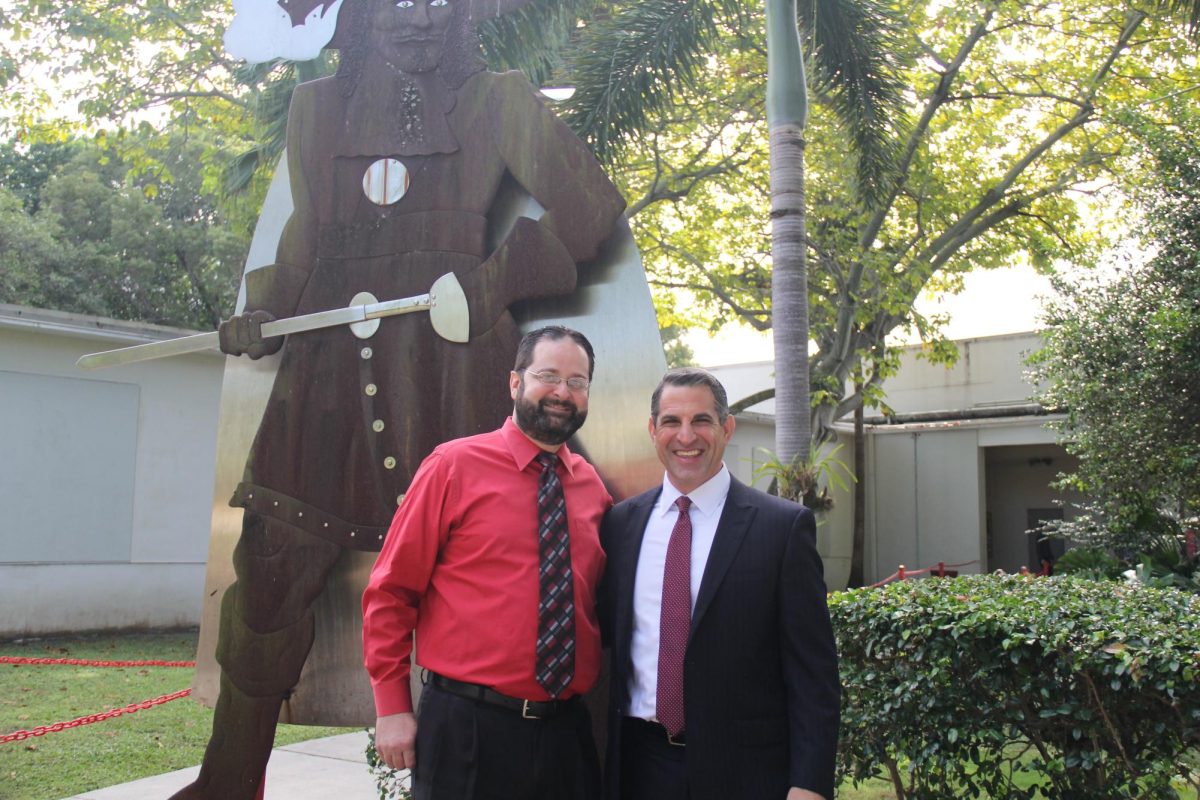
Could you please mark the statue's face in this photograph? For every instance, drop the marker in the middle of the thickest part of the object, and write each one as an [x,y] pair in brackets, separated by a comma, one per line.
[409,35]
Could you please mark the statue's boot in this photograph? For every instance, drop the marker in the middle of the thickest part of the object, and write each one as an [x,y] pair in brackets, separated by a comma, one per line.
[266,631]
[257,673]
[236,758]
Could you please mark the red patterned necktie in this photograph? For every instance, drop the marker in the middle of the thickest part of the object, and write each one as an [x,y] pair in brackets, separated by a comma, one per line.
[556,602]
[675,621]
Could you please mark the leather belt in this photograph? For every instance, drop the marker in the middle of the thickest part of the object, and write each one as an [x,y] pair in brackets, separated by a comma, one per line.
[529,709]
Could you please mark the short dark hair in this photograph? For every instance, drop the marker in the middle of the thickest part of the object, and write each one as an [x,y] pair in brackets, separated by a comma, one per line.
[552,333]
[691,376]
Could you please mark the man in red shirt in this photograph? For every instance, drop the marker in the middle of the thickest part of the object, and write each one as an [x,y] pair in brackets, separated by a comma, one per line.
[497,579]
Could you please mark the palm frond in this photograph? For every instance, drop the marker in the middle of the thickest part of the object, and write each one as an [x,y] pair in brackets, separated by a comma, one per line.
[1190,8]
[534,38]
[273,85]
[856,58]
[628,66]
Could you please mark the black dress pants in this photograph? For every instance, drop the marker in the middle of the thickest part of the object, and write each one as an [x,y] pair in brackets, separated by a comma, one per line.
[651,767]
[470,750]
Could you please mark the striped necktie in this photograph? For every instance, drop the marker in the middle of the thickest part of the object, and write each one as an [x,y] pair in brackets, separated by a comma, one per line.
[556,602]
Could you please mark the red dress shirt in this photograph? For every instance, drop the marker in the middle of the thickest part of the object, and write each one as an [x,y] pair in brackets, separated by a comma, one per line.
[460,567]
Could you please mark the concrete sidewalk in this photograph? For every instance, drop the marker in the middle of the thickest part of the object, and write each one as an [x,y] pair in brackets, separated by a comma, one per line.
[319,769]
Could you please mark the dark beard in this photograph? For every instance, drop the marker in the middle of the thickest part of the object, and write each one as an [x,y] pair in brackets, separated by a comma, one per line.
[538,424]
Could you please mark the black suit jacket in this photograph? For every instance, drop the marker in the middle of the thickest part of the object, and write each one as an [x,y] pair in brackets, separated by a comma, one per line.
[761,689]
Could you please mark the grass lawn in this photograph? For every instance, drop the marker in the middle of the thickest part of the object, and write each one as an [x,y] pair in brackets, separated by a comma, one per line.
[160,739]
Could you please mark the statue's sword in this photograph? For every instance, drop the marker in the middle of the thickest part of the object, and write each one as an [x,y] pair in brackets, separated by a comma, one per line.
[445,302]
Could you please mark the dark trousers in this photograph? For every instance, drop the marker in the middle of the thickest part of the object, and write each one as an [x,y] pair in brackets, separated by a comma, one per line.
[469,750]
[651,767]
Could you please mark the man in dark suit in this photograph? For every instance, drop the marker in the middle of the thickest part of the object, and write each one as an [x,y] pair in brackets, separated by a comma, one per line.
[724,673]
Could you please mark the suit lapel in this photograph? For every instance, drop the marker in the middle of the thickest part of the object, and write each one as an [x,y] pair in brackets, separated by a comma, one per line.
[735,521]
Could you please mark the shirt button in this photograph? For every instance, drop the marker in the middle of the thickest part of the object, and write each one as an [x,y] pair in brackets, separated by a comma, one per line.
[367,352]
[377,425]
[371,389]
[399,499]
[389,463]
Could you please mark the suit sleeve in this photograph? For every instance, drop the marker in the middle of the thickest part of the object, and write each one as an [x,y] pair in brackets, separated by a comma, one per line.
[809,662]
[604,591]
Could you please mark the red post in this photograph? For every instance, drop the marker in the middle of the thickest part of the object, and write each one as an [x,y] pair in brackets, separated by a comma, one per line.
[900,572]
[1189,543]
[941,569]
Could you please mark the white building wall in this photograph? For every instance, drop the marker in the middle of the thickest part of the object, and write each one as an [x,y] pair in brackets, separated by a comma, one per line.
[990,371]
[928,503]
[106,480]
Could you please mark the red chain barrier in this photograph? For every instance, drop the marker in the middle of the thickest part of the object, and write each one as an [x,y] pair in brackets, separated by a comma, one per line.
[42,730]
[81,662]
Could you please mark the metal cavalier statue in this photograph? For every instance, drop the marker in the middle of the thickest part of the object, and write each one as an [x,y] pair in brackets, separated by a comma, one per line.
[395,166]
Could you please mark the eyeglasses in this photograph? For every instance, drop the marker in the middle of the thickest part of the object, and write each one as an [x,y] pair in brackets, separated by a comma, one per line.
[576,384]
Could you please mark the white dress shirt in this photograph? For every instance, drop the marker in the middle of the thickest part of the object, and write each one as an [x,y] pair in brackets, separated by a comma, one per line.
[708,500]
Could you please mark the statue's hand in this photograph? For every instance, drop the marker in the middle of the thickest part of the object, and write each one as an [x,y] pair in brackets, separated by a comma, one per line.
[530,263]
[242,333]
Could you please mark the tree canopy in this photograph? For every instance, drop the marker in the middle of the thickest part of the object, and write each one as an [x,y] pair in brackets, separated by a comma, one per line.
[1122,355]
[83,231]
[1015,130]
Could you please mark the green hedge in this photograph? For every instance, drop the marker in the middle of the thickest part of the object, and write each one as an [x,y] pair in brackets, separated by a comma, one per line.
[1006,686]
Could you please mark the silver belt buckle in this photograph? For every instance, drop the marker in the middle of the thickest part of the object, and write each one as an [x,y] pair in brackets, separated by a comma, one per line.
[525,712]
[671,740]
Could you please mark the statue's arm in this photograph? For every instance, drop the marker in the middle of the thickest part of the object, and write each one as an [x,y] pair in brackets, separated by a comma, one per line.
[556,167]
[539,258]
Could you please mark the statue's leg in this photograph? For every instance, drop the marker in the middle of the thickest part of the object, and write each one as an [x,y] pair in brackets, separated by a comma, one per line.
[265,635]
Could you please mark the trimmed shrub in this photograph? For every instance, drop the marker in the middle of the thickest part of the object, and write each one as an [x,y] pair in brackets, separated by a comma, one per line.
[1089,562]
[1006,686]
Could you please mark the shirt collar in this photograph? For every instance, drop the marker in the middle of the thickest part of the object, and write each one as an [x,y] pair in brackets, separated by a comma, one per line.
[524,451]
[707,497]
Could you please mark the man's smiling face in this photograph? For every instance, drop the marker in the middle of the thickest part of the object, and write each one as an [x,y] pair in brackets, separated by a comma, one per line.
[551,414]
[689,436]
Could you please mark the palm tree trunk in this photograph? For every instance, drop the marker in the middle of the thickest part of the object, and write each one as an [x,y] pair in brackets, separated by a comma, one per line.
[787,111]
[859,546]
